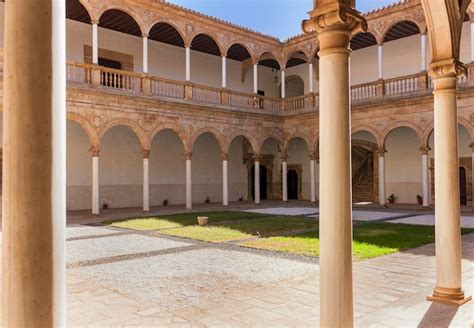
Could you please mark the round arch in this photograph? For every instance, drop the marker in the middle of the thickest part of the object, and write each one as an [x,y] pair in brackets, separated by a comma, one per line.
[91,132]
[132,125]
[269,138]
[76,10]
[206,43]
[363,40]
[179,132]
[239,50]
[401,124]
[293,137]
[269,59]
[124,10]
[391,31]
[159,27]
[217,135]
[250,138]
[297,57]
[366,128]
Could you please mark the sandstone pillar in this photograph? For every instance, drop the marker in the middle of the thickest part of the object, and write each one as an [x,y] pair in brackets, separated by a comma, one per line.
[335,21]
[189,185]
[145,53]
[224,71]
[448,287]
[472,173]
[95,181]
[472,41]
[426,176]
[95,42]
[146,180]
[257,179]
[284,178]
[34,159]
[188,63]
[225,180]
[382,186]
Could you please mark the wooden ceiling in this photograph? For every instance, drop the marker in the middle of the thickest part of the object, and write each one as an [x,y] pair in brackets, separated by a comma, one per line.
[292,62]
[206,44]
[271,63]
[166,33]
[238,52]
[363,40]
[401,30]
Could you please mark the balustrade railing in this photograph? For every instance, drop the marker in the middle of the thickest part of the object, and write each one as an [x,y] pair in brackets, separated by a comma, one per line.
[405,86]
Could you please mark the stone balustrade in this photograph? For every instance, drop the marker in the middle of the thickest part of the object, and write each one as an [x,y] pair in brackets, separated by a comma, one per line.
[129,82]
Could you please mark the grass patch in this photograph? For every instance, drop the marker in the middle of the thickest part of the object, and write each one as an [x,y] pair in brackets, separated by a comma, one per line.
[181,220]
[370,240]
[211,234]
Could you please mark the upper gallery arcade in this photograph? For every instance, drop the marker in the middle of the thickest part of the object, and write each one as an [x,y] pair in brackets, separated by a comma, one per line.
[174,105]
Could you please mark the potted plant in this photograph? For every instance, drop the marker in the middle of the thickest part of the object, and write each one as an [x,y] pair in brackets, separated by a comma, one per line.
[105,206]
[241,199]
[202,220]
[419,199]
[208,200]
[391,199]
[165,202]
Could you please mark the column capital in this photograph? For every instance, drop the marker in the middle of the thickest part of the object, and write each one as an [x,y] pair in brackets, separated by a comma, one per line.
[314,157]
[257,157]
[334,15]
[188,155]
[95,22]
[94,151]
[447,68]
[381,152]
[424,150]
[225,156]
[472,146]
[284,157]
[145,35]
[146,153]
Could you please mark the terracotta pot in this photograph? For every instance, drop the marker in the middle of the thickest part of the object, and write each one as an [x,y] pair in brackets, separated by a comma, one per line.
[203,220]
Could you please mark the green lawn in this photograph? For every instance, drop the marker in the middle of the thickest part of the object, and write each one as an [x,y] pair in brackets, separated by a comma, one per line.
[370,240]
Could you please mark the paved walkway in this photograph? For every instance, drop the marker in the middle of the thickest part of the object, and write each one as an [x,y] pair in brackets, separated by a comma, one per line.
[123,278]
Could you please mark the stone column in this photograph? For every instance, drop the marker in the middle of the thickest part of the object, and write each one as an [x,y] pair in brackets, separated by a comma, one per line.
[311,77]
[423,52]
[284,178]
[380,60]
[257,178]
[335,22]
[313,177]
[283,91]
[382,186]
[447,207]
[34,164]
[224,72]
[95,42]
[472,173]
[426,176]
[189,184]
[95,181]
[472,41]
[255,78]
[225,179]
[188,63]
[146,180]
[145,53]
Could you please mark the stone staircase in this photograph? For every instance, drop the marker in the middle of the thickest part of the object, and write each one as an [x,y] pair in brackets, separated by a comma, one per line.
[362,175]
[364,190]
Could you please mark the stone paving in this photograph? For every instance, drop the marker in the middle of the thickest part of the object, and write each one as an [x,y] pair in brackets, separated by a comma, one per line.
[466,221]
[118,277]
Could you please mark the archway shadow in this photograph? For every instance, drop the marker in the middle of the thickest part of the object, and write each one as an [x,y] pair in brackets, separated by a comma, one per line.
[438,315]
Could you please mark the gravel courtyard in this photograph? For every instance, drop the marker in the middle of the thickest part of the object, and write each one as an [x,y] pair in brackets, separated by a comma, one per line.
[119,277]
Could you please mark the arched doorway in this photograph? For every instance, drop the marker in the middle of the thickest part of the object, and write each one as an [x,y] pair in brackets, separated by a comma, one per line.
[463,185]
[292,178]
[263,182]
[364,167]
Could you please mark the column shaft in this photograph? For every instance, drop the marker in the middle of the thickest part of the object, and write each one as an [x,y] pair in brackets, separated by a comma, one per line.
[380,61]
[311,77]
[313,181]
[447,205]
[382,187]
[283,82]
[257,182]
[426,180]
[472,186]
[255,78]
[335,181]
[188,63]
[95,43]
[146,184]
[224,71]
[145,54]
[34,165]
[284,181]
[95,185]
[189,193]
[472,41]
[423,52]
[225,183]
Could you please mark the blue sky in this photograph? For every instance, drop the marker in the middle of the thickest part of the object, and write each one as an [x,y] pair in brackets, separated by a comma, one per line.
[279,18]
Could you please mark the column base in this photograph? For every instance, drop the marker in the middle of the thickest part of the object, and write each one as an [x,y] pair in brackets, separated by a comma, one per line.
[146,211]
[426,208]
[95,216]
[451,296]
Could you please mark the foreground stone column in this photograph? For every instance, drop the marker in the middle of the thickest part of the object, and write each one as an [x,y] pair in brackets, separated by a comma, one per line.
[284,178]
[95,181]
[426,176]
[382,187]
[34,159]
[335,21]
[313,178]
[225,180]
[447,206]
[257,178]
[189,184]
[146,180]
[95,42]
